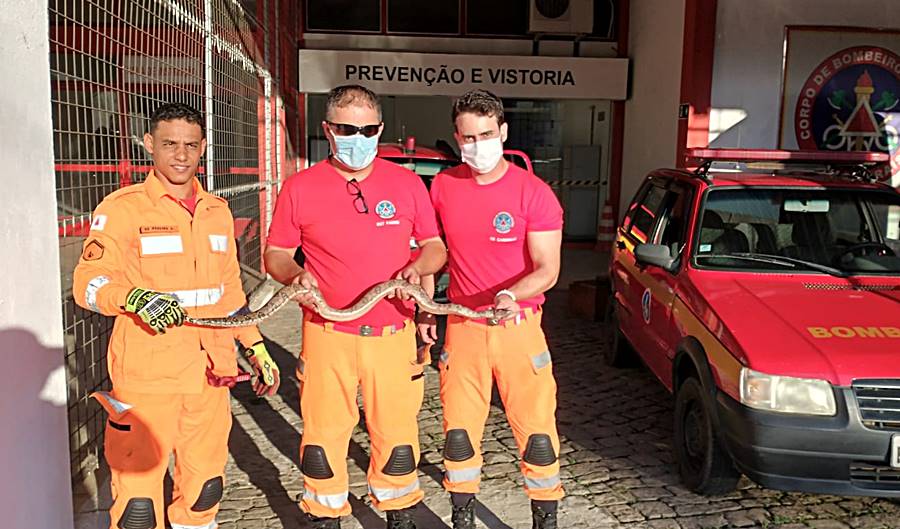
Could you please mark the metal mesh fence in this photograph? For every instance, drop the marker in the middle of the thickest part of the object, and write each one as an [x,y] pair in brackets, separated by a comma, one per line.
[112,63]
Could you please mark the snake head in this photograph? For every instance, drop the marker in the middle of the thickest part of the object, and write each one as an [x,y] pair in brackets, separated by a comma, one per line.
[501,314]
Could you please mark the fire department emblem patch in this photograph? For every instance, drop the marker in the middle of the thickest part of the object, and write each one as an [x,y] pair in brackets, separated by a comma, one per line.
[503,222]
[851,102]
[92,251]
[385,209]
[646,299]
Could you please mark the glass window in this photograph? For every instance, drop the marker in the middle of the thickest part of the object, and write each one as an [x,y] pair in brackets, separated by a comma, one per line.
[343,15]
[638,198]
[673,224]
[646,213]
[887,219]
[415,16]
[497,17]
[811,229]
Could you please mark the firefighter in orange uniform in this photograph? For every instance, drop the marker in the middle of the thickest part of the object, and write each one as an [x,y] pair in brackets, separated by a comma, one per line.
[156,252]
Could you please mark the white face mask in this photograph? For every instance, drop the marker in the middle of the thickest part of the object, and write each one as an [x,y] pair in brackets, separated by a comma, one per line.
[482,156]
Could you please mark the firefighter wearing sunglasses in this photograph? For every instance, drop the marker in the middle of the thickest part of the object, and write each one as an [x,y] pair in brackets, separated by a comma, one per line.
[354,215]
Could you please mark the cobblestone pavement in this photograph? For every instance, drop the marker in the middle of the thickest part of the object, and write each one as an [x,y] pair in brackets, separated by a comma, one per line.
[616,455]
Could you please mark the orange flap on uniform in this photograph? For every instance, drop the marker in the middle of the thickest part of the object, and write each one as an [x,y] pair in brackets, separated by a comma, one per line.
[114,407]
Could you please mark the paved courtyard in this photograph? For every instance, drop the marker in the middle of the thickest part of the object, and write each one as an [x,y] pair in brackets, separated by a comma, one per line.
[616,457]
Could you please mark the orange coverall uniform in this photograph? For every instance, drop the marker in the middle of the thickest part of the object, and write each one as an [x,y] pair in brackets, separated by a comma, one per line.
[161,400]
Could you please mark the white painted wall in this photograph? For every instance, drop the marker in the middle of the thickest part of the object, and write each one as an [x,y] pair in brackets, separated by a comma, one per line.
[655,45]
[34,451]
[747,71]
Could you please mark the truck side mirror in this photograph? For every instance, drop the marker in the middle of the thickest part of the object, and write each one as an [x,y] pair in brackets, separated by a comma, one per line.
[654,255]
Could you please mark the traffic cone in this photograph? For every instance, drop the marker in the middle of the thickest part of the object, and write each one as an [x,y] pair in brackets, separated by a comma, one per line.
[606,229]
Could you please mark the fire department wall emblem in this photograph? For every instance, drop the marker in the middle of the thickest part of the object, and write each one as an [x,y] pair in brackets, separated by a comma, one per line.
[851,102]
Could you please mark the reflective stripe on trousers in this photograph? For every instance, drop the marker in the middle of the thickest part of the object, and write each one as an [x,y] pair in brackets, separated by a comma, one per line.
[332,501]
[542,483]
[210,525]
[463,474]
[393,494]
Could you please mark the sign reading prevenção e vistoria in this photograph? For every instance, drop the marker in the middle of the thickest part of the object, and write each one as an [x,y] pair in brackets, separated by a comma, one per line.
[452,74]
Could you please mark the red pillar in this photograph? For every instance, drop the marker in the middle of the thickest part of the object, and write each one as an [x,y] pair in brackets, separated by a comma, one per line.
[618,115]
[696,76]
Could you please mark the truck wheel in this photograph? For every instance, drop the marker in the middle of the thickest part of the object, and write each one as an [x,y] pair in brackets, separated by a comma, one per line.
[705,467]
[617,352]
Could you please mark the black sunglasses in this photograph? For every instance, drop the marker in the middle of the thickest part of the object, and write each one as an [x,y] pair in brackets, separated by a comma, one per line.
[359,202]
[345,129]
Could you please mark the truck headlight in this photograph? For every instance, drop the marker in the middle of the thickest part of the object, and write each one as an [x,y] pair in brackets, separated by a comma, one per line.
[786,394]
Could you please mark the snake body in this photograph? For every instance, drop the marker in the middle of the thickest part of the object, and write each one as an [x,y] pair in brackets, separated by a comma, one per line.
[364,305]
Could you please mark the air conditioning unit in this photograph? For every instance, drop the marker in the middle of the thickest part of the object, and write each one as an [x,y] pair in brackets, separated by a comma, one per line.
[570,17]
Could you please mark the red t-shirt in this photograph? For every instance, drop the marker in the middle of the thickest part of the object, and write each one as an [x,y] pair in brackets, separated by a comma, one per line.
[485,228]
[347,251]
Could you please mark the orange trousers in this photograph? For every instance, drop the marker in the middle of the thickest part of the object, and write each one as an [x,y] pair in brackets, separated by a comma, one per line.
[333,365]
[142,431]
[515,353]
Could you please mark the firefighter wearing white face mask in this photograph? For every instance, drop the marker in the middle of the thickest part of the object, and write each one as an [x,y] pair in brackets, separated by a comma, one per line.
[503,227]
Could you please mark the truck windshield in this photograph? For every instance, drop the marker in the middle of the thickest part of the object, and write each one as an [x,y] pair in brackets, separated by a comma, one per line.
[839,231]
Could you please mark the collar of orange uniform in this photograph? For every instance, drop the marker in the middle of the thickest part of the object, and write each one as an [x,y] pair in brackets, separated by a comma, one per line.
[156,190]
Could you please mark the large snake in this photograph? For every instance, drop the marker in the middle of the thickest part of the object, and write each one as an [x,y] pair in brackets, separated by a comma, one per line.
[373,296]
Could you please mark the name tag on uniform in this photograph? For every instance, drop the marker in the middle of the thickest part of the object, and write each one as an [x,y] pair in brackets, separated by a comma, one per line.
[218,243]
[158,229]
[161,244]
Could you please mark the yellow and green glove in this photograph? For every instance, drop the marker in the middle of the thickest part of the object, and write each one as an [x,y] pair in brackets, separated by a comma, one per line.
[268,377]
[157,309]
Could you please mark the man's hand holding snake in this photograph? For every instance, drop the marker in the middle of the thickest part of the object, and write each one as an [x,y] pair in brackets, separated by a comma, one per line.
[505,301]
[412,276]
[157,309]
[308,281]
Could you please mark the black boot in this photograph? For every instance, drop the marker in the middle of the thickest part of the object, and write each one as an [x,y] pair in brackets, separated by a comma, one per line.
[316,522]
[543,514]
[402,518]
[463,510]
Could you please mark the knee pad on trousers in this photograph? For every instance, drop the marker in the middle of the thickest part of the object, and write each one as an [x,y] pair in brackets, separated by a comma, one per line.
[458,447]
[401,462]
[314,464]
[210,495]
[539,450]
[139,514]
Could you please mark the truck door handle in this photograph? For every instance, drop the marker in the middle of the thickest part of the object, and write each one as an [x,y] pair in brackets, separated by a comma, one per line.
[620,245]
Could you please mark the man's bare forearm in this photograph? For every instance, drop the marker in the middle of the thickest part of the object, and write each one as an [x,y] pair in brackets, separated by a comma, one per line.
[281,266]
[428,284]
[432,257]
[535,283]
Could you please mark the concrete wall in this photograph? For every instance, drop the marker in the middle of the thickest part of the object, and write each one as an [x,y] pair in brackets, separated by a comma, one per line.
[655,46]
[34,452]
[747,72]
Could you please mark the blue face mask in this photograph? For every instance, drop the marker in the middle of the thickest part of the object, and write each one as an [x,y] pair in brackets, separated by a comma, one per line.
[357,151]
